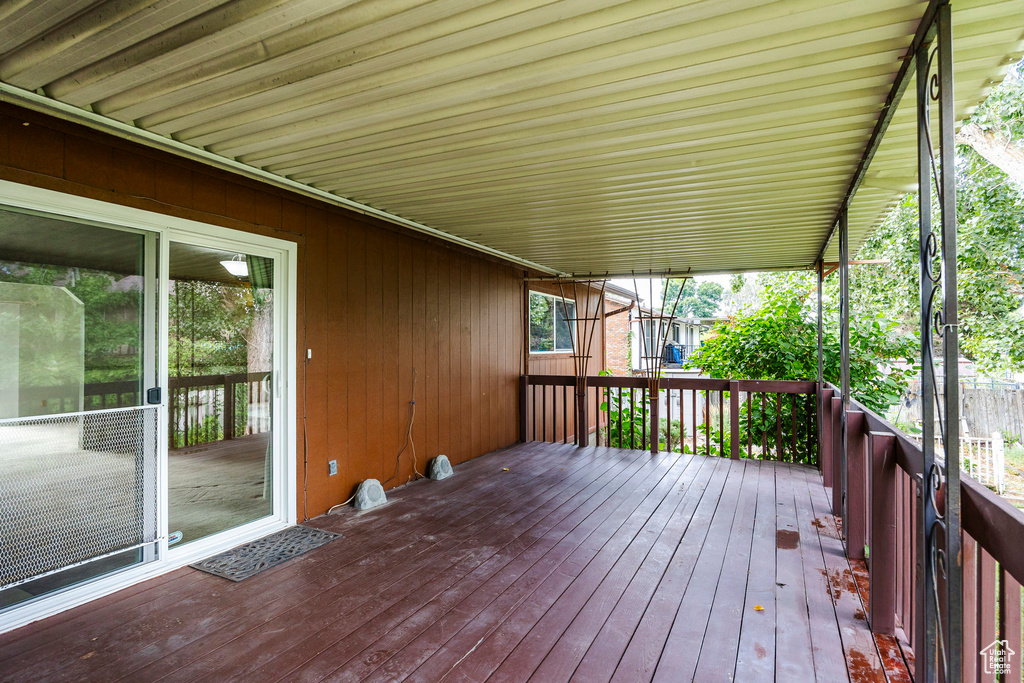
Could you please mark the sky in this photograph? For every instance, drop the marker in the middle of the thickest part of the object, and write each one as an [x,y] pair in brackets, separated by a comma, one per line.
[644,285]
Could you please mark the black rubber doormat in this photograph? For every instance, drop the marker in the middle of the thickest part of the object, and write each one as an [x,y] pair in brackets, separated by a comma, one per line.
[252,558]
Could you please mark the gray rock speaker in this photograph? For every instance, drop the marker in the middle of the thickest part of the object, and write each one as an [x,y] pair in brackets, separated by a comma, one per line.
[440,468]
[370,494]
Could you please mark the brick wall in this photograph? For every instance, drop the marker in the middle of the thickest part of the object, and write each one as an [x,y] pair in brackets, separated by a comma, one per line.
[617,343]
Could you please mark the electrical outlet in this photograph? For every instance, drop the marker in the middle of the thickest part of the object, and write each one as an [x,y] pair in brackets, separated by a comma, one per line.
[332,467]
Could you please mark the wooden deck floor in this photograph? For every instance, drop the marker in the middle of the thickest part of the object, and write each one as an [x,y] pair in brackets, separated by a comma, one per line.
[585,565]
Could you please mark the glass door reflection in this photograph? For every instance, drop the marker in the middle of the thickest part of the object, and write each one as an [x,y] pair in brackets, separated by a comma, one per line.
[78,444]
[220,417]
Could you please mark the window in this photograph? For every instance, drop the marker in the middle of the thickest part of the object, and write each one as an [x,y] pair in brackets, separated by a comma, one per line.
[551,330]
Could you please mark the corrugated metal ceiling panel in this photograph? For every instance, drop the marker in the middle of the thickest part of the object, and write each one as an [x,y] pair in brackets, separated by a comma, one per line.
[585,135]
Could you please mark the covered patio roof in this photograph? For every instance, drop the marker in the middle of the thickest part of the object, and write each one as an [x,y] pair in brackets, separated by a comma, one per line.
[583,136]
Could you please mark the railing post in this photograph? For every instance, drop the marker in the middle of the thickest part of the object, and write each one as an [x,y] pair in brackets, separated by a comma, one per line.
[825,437]
[734,420]
[836,453]
[882,537]
[582,425]
[229,407]
[856,481]
[524,386]
[655,395]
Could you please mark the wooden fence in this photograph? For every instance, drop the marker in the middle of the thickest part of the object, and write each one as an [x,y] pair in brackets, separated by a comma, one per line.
[984,408]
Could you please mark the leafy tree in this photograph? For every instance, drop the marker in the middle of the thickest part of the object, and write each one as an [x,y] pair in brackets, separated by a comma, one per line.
[777,340]
[704,302]
[990,261]
[996,130]
[697,300]
[736,282]
[112,307]
[990,246]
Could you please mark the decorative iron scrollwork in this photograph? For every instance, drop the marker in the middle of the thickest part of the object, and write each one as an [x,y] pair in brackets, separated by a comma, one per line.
[941,621]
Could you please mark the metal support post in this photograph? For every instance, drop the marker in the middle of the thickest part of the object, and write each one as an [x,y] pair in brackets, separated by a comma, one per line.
[844,360]
[939,633]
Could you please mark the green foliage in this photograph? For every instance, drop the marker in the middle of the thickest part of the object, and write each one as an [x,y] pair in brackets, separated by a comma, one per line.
[778,341]
[112,310]
[990,258]
[627,417]
[736,282]
[542,323]
[210,323]
[208,431]
[700,301]
[676,430]
[1003,110]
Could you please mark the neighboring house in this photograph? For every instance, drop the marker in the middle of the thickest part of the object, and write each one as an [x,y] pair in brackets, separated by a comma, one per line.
[681,339]
[619,308]
[553,332]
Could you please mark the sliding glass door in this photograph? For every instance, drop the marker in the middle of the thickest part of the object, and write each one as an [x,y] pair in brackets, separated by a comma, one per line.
[144,412]
[220,353]
[78,435]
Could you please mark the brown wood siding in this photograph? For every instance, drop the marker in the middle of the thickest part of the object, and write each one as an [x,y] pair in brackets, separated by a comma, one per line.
[374,303]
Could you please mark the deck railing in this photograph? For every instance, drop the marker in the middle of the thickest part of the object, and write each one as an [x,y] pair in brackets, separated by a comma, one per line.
[201,409]
[883,487]
[208,408]
[754,419]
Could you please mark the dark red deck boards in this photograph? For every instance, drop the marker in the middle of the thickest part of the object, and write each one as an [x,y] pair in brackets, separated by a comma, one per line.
[586,565]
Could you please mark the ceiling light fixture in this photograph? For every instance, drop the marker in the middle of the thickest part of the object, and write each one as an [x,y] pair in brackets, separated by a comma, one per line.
[237,266]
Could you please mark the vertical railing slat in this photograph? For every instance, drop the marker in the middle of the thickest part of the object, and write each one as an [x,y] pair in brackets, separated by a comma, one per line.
[882,570]
[668,420]
[643,418]
[632,420]
[986,612]
[734,420]
[565,414]
[778,427]
[721,422]
[693,411]
[1009,623]
[707,425]
[970,597]
[544,412]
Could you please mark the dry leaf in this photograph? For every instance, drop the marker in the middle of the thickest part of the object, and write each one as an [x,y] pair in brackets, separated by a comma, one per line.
[504,469]
[758,608]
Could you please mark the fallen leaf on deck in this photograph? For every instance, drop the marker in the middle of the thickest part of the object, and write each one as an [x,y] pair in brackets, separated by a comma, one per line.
[758,608]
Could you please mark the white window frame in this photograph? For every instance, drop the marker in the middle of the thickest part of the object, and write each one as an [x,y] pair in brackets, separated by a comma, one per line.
[171,228]
[556,301]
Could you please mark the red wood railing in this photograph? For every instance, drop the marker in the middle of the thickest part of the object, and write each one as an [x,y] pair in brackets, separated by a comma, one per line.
[754,419]
[201,409]
[208,408]
[883,484]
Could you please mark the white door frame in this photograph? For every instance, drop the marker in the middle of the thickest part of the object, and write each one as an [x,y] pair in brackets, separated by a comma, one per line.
[170,228]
